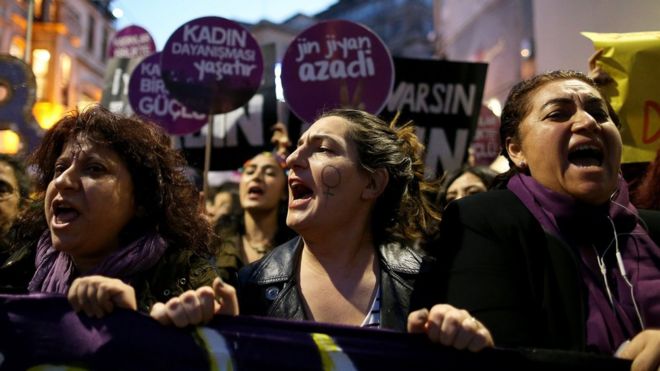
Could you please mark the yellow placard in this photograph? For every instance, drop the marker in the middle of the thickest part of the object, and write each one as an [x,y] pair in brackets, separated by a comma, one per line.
[633,61]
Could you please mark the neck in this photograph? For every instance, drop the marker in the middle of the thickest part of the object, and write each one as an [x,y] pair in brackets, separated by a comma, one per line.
[352,246]
[260,227]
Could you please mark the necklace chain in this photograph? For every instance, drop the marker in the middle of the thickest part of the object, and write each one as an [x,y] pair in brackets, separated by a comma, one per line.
[258,249]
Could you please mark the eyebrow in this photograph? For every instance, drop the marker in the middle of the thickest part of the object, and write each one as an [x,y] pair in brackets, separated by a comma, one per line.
[318,137]
[253,165]
[589,101]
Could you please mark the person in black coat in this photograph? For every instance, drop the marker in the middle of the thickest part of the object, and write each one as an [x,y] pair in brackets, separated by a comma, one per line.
[558,258]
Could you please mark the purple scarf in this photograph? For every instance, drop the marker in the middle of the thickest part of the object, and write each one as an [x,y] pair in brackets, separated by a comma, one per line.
[55,269]
[587,229]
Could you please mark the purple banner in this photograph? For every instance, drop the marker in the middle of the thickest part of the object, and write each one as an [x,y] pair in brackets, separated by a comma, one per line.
[130,42]
[41,330]
[336,64]
[212,64]
[149,97]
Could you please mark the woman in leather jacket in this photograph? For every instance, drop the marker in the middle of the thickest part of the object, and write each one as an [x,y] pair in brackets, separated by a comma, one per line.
[355,199]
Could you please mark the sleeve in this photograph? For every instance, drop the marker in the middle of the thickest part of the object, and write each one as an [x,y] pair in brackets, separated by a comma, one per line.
[175,273]
[481,268]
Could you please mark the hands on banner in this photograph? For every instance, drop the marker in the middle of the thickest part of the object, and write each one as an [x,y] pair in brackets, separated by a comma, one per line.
[97,296]
[643,350]
[198,306]
[451,327]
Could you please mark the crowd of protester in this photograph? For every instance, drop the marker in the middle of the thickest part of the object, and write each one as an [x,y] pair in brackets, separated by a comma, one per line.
[344,228]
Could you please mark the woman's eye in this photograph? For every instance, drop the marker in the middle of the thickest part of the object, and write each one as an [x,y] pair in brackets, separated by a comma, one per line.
[95,168]
[59,169]
[600,115]
[558,115]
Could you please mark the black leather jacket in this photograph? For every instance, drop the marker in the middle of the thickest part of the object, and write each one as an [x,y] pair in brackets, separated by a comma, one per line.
[269,287]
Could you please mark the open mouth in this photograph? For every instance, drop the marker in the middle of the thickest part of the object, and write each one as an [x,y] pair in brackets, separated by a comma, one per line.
[586,155]
[255,190]
[300,191]
[64,212]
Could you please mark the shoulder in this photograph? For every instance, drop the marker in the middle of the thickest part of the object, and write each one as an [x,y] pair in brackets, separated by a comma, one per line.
[651,221]
[401,258]
[17,269]
[228,259]
[495,202]
[277,265]
[262,283]
[176,272]
[493,211]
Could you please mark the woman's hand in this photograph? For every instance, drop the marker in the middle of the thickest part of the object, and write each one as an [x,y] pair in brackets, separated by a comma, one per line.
[450,326]
[98,295]
[644,351]
[198,306]
[595,72]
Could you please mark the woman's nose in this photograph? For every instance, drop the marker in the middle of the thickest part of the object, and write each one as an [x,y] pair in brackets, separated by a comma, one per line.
[585,121]
[294,159]
[68,179]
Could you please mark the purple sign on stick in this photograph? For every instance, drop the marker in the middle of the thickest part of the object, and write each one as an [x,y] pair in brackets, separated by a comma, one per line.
[212,64]
[130,42]
[336,64]
[149,97]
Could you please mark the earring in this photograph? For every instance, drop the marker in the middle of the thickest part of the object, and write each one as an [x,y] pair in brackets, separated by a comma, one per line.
[523,164]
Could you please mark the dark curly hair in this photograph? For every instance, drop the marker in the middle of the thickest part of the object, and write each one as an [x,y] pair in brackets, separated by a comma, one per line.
[166,200]
[402,212]
[519,103]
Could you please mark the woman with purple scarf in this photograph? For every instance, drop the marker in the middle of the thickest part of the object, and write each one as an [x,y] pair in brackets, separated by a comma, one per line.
[115,222]
[559,258]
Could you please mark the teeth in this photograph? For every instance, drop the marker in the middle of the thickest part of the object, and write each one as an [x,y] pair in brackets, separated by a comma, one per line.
[585,147]
[586,155]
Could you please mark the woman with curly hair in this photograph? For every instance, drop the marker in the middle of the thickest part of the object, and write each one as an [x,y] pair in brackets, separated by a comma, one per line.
[115,221]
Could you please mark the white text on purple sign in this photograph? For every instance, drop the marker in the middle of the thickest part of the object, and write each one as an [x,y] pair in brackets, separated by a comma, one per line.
[216,45]
[344,58]
[160,103]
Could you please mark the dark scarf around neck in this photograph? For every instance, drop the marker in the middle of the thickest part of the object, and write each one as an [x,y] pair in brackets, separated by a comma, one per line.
[55,270]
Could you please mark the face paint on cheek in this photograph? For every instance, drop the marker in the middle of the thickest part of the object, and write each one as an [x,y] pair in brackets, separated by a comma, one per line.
[331,178]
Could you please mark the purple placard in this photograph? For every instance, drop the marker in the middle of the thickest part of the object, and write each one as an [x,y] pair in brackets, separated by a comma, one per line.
[212,64]
[336,64]
[149,97]
[130,42]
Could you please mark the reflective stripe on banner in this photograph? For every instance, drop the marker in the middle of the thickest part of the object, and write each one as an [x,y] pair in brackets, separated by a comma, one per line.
[332,356]
[216,346]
